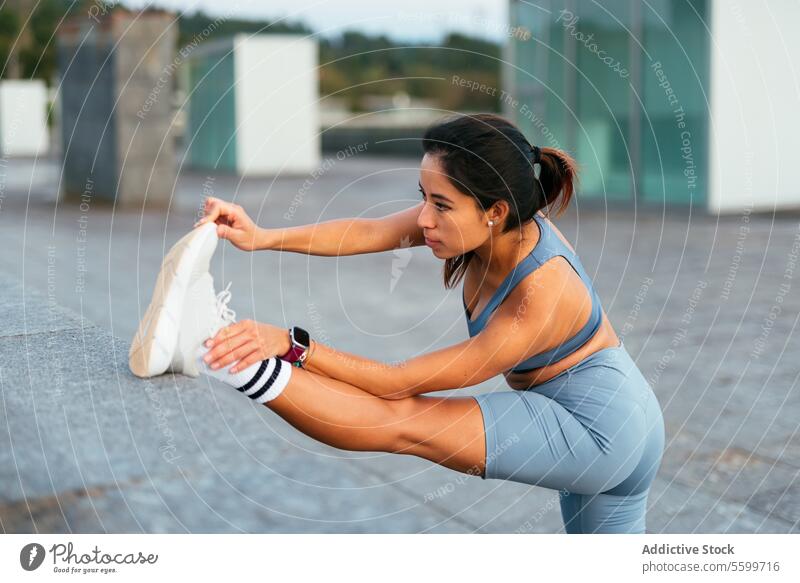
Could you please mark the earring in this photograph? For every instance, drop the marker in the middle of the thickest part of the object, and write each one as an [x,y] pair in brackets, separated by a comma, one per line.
[491,223]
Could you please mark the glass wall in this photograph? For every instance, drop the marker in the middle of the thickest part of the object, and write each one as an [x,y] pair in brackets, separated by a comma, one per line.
[590,81]
[674,126]
[602,98]
[212,114]
[539,77]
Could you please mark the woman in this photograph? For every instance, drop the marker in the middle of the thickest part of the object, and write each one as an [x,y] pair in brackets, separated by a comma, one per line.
[583,419]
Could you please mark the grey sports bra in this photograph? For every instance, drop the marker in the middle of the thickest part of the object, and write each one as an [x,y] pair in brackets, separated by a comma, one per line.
[549,245]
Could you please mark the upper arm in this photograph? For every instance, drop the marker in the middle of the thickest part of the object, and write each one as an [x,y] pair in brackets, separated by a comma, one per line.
[399,229]
[517,329]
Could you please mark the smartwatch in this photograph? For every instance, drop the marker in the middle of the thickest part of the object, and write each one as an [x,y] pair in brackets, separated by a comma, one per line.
[300,344]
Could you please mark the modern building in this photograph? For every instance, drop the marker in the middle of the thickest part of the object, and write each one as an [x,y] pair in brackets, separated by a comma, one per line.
[668,102]
[23,118]
[253,104]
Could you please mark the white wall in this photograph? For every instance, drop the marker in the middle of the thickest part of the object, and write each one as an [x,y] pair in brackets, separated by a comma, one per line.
[277,104]
[755,105]
[23,118]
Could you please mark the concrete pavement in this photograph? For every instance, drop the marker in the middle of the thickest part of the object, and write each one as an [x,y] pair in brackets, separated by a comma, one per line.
[702,304]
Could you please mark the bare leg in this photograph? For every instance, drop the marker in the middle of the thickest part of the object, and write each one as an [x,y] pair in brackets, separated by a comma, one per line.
[446,430]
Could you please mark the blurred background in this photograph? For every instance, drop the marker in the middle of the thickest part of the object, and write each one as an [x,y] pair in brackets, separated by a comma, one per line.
[620,86]
[117,119]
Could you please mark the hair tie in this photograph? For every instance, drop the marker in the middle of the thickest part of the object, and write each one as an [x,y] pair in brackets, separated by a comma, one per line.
[537,159]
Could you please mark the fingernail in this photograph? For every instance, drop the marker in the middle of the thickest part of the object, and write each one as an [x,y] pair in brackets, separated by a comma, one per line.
[215,365]
[234,369]
[207,358]
[208,343]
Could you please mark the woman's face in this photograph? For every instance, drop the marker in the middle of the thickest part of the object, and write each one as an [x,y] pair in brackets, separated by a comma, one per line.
[452,222]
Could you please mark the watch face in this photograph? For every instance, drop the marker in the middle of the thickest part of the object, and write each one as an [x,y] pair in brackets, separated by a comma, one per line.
[301,336]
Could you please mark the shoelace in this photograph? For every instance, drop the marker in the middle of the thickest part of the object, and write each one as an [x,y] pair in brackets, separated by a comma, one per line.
[223,311]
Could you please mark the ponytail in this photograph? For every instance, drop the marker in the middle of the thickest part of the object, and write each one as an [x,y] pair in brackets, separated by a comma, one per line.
[558,176]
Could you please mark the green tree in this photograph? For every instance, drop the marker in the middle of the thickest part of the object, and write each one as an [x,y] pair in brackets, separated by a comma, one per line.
[9,29]
[38,58]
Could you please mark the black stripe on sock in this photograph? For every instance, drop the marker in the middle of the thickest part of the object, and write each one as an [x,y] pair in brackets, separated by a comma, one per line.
[272,377]
[254,380]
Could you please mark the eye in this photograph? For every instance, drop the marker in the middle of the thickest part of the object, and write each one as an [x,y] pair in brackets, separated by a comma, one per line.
[438,205]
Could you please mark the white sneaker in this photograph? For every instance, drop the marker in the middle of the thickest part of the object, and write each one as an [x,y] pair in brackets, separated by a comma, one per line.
[183,282]
[204,315]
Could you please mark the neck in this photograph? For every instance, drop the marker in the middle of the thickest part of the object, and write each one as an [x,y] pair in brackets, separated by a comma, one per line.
[501,253]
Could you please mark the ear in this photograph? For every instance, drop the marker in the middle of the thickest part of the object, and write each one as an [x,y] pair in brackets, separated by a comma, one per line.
[498,212]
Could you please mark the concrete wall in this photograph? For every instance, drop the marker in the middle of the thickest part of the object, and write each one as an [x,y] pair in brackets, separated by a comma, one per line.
[88,134]
[755,105]
[144,84]
[116,105]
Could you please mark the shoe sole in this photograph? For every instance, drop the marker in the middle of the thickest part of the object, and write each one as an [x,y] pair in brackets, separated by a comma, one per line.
[154,343]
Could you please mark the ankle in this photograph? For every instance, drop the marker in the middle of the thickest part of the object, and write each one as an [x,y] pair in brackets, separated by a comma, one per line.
[262,381]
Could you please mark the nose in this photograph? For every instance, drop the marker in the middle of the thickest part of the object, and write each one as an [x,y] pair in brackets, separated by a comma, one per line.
[425,219]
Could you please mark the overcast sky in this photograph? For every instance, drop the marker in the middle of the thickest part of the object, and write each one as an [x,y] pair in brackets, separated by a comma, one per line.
[425,20]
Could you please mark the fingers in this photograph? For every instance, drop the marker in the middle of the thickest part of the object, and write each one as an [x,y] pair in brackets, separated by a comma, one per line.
[248,348]
[218,211]
[252,358]
[224,231]
[211,207]
[228,332]
[224,346]
[222,354]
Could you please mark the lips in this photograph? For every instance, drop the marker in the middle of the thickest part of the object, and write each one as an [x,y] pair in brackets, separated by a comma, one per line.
[431,241]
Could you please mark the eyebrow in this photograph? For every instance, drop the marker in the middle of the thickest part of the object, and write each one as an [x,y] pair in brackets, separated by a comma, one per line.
[435,195]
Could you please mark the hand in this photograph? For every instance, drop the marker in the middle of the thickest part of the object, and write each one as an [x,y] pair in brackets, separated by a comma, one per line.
[233,223]
[247,342]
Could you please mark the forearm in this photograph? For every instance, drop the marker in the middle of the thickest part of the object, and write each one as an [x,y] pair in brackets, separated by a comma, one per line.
[330,238]
[377,378]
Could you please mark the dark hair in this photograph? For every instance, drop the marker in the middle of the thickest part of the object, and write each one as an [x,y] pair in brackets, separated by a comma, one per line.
[488,157]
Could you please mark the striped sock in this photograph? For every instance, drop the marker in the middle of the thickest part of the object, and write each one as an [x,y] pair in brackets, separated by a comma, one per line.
[262,381]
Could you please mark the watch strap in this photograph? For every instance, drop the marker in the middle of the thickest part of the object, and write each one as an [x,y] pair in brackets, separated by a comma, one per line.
[296,353]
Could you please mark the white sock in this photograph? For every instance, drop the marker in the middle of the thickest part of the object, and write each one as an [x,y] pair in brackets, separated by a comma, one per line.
[262,381]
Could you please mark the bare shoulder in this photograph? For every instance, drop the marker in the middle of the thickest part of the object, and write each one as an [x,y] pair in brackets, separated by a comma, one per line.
[556,231]
[555,285]
[536,296]
[548,306]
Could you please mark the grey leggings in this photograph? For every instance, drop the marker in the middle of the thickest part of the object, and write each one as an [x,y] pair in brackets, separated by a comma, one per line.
[594,432]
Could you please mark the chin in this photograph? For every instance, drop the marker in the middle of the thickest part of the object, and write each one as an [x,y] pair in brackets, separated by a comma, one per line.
[442,254]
